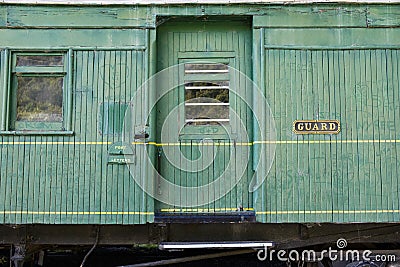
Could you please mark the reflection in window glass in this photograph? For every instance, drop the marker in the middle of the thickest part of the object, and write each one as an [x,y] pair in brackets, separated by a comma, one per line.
[215,90]
[208,112]
[207,103]
[42,60]
[39,99]
[208,68]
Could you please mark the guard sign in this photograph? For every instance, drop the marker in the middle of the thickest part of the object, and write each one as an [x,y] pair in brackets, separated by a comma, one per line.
[316,126]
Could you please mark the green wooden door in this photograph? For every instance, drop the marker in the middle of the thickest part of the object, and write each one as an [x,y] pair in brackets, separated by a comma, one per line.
[202,152]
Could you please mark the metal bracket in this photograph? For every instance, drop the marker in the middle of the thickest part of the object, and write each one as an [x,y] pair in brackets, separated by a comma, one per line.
[19,255]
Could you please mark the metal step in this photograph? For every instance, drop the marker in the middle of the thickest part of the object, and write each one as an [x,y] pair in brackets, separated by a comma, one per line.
[220,217]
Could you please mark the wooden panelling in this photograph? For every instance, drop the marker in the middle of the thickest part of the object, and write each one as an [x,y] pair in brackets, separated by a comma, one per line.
[212,40]
[62,38]
[315,61]
[347,177]
[332,38]
[102,17]
[56,179]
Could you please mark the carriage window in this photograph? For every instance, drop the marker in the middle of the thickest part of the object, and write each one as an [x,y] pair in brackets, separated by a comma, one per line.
[206,101]
[42,60]
[37,92]
[39,98]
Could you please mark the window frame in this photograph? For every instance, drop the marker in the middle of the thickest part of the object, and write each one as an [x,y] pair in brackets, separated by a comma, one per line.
[191,131]
[10,125]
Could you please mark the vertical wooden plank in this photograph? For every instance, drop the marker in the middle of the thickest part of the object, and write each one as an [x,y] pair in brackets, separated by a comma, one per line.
[24,186]
[112,191]
[102,61]
[97,164]
[3,148]
[115,87]
[275,188]
[123,171]
[344,157]
[326,180]
[365,135]
[258,54]
[286,182]
[393,97]
[134,85]
[295,172]
[93,158]
[10,196]
[316,195]
[216,172]
[353,147]
[64,177]
[85,153]
[305,171]
[107,178]
[20,185]
[147,202]
[246,52]
[333,147]
[306,152]
[3,180]
[395,58]
[280,186]
[58,177]
[371,185]
[45,180]
[6,168]
[152,61]
[357,134]
[236,195]
[336,148]
[51,178]
[173,100]
[384,148]
[125,76]
[342,114]
[79,114]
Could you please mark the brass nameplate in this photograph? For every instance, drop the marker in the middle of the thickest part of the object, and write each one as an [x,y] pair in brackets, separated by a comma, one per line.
[316,126]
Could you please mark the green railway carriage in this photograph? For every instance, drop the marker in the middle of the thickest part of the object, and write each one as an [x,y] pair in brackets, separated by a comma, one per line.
[140,116]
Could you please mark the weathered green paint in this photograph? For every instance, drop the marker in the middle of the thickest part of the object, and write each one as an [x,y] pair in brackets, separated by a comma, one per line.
[312,62]
[186,41]
[66,38]
[101,17]
[111,117]
[323,38]
[378,16]
[358,87]
[315,16]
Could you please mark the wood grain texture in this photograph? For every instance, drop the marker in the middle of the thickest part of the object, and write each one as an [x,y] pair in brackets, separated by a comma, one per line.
[311,61]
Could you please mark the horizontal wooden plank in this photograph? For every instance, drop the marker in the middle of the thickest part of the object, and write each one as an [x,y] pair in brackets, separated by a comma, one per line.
[332,38]
[319,16]
[383,16]
[3,16]
[316,15]
[57,38]
[77,17]
[148,2]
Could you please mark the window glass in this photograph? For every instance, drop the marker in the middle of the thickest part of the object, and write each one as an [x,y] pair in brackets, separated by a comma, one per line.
[197,68]
[39,99]
[206,91]
[206,100]
[206,112]
[39,60]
